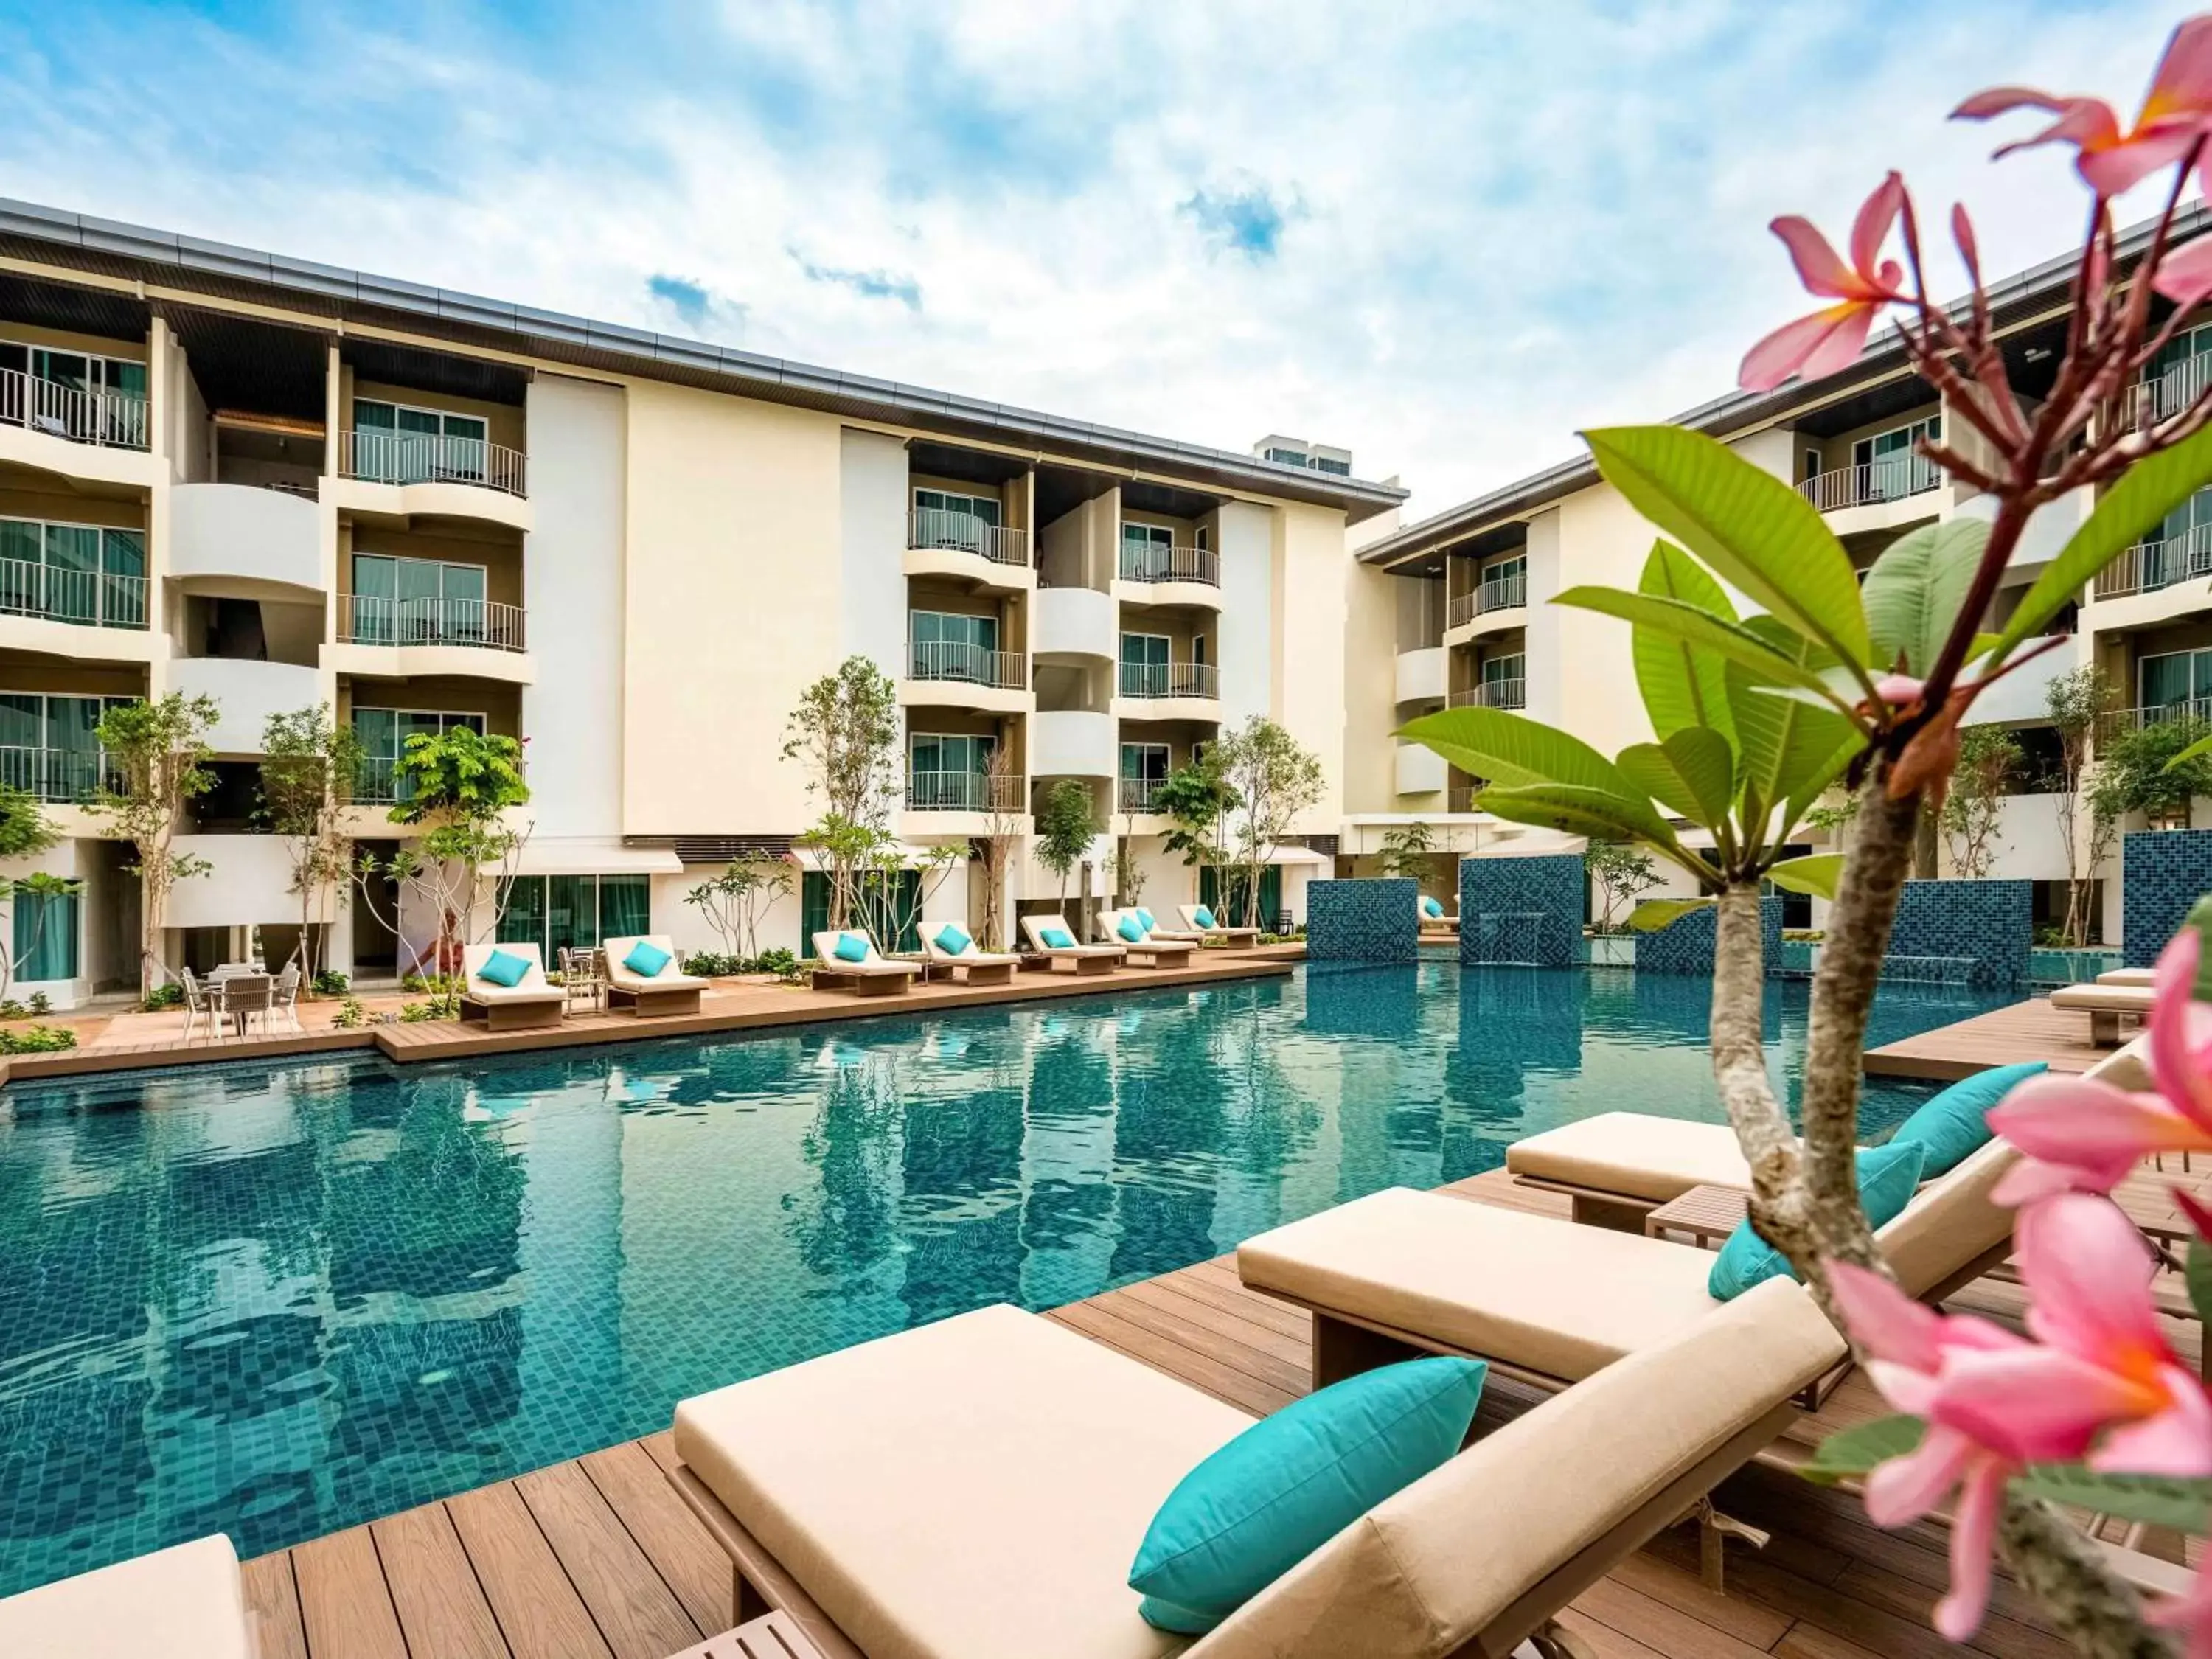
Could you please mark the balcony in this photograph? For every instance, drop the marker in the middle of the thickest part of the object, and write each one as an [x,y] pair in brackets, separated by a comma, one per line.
[1074,623]
[1073,742]
[231,531]
[1171,679]
[2155,399]
[2150,566]
[1153,575]
[1872,484]
[60,777]
[396,638]
[378,782]
[1138,796]
[1422,675]
[106,420]
[400,474]
[84,599]
[1492,596]
[943,673]
[1419,771]
[1493,694]
[247,693]
[965,792]
[942,543]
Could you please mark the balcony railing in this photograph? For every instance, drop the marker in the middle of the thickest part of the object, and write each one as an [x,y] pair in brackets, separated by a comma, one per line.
[62,776]
[1460,798]
[92,598]
[365,619]
[1506,593]
[938,526]
[1152,564]
[111,420]
[378,782]
[1171,679]
[411,457]
[1892,478]
[965,791]
[2149,566]
[1139,794]
[2153,398]
[972,665]
[2197,709]
[1492,694]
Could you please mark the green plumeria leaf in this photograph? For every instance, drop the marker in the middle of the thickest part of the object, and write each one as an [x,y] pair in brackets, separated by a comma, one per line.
[2201,746]
[1681,685]
[1597,813]
[2198,1271]
[2145,494]
[1816,781]
[1652,915]
[1734,642]
[1852,1452]
[1514,751]
[1914,594]
[2160,1500]
[1784,742]
[1752,529]
[1817,873]
[1693,772]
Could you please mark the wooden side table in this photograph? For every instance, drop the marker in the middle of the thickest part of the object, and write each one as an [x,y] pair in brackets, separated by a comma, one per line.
[1705,1215]
[772,1636]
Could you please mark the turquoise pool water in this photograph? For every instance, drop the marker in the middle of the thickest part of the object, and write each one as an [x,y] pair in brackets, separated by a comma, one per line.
[278,1300]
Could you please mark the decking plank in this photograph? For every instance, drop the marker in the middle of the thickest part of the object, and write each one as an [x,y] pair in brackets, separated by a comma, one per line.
[2033,1030]
[685,1553]
[441,1606]
[1753,1625]
[272,1601]
[1659,1625]
[540,1613]
[345,1606]
[637,1613]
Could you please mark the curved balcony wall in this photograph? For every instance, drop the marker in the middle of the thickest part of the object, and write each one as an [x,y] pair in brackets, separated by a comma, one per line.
[248,881]
[241,532]
[1421,771]
[247,693]
[1421,675]
[1074,621]
[1072,743]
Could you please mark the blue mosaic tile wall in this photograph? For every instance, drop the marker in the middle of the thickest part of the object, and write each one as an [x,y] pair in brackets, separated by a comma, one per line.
[1986,927]
[1685,945]
[1375,919]
[2162,873]
[1525,910]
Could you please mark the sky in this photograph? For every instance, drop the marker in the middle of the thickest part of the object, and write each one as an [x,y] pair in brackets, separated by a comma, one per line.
[1444,237]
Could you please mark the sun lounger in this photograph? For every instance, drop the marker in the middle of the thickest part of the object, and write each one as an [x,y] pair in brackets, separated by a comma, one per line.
[1152,950]
[1080,958]
[184,1603]
[2137,976]
[2106,1007]
[670,991]
[527,1004]
[978,1488]
[873,975]
[1546,1300]
[1443,923]
[1219,930]
[970,964]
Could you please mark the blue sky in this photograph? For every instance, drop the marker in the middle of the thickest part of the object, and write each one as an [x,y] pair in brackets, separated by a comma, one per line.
[1442,237]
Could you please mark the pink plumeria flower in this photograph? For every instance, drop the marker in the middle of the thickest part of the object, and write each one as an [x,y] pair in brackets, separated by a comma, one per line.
[1831,339]
[1994,1402]
[2084,1132]
[2176,112]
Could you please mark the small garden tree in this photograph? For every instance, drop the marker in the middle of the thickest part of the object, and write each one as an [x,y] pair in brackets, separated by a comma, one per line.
[158,752]
[2149,769]
[1989,758]
[1004,809]
[734,902]
[1619,872]
[2079,705]
[1066,825]
[459,784]
[1275,779]
[308,769]
[845,731]
[25,831]
[1407,848]
[1197,801]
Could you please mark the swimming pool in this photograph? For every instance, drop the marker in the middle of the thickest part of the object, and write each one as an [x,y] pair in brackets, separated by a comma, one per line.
[278,1300]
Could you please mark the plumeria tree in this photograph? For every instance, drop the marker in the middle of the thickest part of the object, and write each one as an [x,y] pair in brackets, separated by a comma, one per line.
[1755,717]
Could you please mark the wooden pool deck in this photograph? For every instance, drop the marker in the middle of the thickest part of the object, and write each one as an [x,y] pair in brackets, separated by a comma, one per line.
[599,1559]
[2033,1030]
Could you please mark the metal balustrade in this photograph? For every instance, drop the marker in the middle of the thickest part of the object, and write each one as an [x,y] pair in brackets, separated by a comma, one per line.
[1154,563]
[1139,794]
[1171,679]
[2157,397]
[942,527]
[366,619]
[1492,694]
[109,420]
[2149,566]
[91,598]
[1892,478]
[1505,592]
[972,665]
[2163,714]
[410,457]
[59,776]
[954,791]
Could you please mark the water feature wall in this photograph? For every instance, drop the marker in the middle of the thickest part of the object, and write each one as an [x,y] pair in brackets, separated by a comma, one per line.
[1527,910]
[1373,920]
[1962,932]
[2162,873]
[1685,945]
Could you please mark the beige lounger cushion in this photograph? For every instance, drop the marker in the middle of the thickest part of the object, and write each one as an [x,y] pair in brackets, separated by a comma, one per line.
[825,947]
[1034,926]
[531,988]
[2103,999]
[974,1488]
[1950,1222]
[668,978]
[1532,1290]
[1428,1569]
[2137,976]
[184,1603]
[1634,1154]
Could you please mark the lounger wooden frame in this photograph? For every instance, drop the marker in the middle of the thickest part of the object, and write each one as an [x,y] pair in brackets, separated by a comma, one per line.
[761,1585]
[534,1015]
[650,1004]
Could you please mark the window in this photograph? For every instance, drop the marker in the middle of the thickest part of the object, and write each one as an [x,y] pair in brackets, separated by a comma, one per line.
[942,519]
[1505,583]
[1812,465]
[2182,546]
[383,733]
[1143,664]
[1148,550]
[1204,542]
[949,771]
[74,573]
[1288,457]
[50,745]
[45,942]
[420,602]
[398,443]
[2178,681]
[558,913]
[76,395]
[1890,468]
[1325,463]
[950,647]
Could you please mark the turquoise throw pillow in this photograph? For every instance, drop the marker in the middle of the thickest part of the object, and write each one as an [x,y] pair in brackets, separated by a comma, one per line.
[1145,916]
[504,969]
[1953,1126]
[1888,1177]
[646,959]
[1430,908]
[952,940]
[1056,939]
[852,947]
[1202,916]
[1130,929]
[1291,1482]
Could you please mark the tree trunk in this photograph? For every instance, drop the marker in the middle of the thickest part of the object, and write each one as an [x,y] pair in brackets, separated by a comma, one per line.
[1770,1147]
[1924,846]
[2094,1609]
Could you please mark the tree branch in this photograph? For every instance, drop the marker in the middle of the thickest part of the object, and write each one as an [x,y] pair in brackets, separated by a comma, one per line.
[2073,1583]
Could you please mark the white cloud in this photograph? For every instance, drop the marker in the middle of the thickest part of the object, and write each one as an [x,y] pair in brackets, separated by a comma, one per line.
[1497,226]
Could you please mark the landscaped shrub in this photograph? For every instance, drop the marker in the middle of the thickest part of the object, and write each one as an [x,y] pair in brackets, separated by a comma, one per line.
[11,1009]
[715,964]
[37,1040]
[780,961]
[41,1004]
[171,995]
[330,984]
[350,1016]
